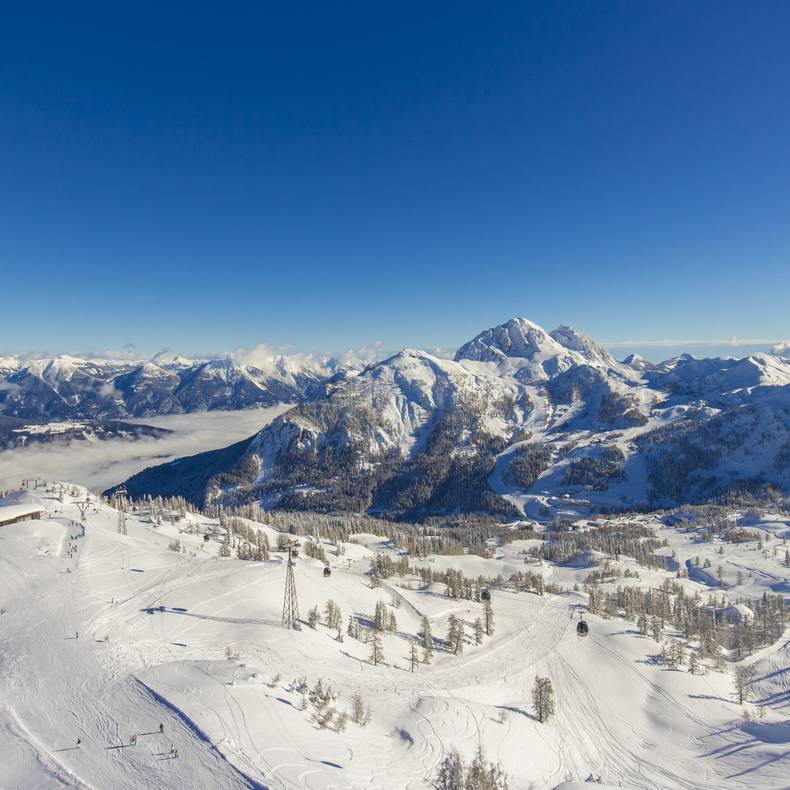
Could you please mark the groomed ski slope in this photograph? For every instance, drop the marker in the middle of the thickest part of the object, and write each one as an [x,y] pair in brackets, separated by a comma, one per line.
[170,617]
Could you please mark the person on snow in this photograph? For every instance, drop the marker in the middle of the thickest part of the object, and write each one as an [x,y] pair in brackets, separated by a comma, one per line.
[161,727]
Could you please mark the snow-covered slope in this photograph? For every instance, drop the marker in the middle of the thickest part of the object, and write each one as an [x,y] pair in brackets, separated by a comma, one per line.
[108,633]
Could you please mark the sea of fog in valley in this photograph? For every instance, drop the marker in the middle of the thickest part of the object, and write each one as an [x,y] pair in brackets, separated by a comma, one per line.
[99,464]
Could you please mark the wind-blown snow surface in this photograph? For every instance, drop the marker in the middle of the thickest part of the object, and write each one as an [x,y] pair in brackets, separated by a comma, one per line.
[169,617]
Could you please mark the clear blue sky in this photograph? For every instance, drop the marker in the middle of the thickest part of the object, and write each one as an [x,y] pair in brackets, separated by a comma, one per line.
[212,177]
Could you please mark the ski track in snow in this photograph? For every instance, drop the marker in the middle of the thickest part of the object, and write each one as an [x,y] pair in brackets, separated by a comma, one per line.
[174,615]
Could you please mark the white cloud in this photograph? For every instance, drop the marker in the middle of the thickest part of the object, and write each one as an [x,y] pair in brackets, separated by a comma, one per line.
[266,358]
[364,355]
[782,349]
[732,341]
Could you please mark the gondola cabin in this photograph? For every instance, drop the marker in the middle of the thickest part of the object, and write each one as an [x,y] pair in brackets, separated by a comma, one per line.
[485,594]
[582,629]
[294,553]
[327,571]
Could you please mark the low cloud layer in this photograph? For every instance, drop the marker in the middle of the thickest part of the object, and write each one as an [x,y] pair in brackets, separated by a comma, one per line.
[101,464]
[733,341]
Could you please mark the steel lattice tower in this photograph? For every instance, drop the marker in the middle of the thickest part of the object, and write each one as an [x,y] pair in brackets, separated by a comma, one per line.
[290,604]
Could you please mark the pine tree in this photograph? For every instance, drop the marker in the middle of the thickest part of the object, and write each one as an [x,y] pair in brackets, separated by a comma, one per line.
[694,662]
[358,713]
[451,773]
[488,618]
[482,776]
[478,631]
[413,657]
[333,615]
[452,628]
[743,677]
[313,617]
[427,640]
[380,616]
[376,650]
[458,642]
[543,699]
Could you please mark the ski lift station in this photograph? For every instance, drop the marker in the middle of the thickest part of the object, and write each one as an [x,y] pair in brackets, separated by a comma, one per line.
[13,514]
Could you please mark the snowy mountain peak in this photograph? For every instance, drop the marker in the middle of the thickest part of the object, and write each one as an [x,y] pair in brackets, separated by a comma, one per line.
[575,341]
[637,362]
[519,338]
[60,368]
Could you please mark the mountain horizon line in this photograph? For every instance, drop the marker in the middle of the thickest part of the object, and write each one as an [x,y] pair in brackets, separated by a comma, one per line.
[374,351]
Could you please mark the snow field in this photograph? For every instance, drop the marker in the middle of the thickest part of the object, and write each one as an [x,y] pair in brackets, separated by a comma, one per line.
[171,617]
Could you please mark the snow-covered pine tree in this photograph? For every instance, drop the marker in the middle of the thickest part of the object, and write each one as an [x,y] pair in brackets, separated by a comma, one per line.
[743,677]
[451,773]
[427,640]
[488,618]
[376,650]
[543,699]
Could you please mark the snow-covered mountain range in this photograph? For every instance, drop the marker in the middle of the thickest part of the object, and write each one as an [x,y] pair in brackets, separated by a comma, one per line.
[66,387]
[520,421]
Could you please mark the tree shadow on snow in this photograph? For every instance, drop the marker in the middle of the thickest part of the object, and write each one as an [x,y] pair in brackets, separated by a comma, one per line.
[520,711]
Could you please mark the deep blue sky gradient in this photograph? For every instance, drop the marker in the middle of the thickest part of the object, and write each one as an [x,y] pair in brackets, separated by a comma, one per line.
[210,177]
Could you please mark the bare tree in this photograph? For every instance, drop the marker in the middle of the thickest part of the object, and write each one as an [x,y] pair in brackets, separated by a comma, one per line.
[743,677]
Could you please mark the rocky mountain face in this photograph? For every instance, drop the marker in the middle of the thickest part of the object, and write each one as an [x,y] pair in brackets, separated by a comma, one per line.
[520,421]
[72,388]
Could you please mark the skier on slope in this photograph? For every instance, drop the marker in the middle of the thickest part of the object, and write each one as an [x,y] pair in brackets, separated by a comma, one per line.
[161,727]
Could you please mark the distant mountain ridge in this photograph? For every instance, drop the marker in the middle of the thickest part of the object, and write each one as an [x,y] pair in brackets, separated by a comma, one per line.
[67,387]
[521,421]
